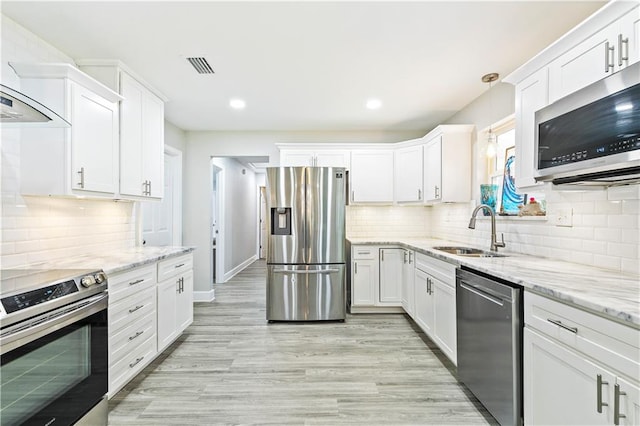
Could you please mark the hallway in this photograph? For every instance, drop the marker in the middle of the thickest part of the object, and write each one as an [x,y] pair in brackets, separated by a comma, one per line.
[232,367]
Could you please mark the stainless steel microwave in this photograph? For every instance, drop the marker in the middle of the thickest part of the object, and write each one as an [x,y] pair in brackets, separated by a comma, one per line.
[592,136]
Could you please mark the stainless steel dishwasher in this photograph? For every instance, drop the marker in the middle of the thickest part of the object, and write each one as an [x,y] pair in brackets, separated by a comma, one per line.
[489,326]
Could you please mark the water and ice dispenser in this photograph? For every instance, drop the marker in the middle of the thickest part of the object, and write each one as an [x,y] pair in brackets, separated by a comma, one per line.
[281,221]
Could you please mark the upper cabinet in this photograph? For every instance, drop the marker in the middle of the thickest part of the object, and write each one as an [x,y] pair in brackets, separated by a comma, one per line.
[408,174]
[371,176]
[81,160]
[141,129]
[447,164]
[605,43]
[314,157]
[610,49]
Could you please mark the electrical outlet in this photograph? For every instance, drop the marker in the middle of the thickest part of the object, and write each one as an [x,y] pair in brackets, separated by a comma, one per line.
[564,217]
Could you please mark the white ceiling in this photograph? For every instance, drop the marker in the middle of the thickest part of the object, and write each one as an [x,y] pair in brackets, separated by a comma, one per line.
[308,65]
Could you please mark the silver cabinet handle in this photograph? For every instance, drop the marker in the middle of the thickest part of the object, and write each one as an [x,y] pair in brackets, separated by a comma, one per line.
[355,267]
[136,282]
[429,291]
[621,57]
[179,266]
[382,255]
[136,308]
[405,256]
[560,324]
[353,196]
[437,191]
[616,405]
[136,335]
[410,254]
[608,52]
[599,403]
[136,362]
[81,173]
[149,192]
[144,188]
[364,252]
[313,272]
[419,194]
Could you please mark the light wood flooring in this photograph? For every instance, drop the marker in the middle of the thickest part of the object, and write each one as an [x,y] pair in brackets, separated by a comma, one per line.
[232,367]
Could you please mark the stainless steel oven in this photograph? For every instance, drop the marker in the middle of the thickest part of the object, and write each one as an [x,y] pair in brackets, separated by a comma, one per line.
[54,347]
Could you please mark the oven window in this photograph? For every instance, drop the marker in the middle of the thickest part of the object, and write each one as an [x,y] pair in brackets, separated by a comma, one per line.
[35,379]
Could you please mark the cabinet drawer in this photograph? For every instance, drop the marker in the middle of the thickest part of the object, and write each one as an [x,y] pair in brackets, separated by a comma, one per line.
[129,338]
[606,341]
[174,266]
[131,309]
[129,282]
[444,271]
[364,252]
[131,364]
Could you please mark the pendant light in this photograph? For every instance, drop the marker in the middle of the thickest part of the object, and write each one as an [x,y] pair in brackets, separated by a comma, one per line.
[492,139]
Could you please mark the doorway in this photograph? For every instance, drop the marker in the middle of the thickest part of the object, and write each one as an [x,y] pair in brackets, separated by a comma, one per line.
[217,224]
[162,220]
[262,236]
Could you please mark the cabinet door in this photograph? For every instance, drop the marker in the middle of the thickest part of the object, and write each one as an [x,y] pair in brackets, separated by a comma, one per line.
[94,141]
[331,158]
[444,318]
[184,304]
[153,144]
[424,302]
[628,403]
[408,283]
[629,29]
[408,174]
[390,292]
[372,176]
[167,311]
[433,170]
[584,64]
[296,158]
[363,282]
[131,173]
[531,95]
[561,386]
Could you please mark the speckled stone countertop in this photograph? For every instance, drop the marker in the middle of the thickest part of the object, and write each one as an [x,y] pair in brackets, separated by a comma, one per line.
[608,293]
[121,260]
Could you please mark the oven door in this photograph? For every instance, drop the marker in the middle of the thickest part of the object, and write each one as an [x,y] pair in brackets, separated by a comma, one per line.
[54,367]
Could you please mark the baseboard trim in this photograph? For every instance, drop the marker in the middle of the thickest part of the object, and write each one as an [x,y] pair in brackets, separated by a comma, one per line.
[204,296]
[235,271]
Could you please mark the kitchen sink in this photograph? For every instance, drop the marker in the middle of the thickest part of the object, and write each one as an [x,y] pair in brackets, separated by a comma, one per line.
[469,252]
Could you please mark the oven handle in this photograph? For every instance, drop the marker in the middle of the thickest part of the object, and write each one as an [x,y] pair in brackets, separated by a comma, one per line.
[37,327]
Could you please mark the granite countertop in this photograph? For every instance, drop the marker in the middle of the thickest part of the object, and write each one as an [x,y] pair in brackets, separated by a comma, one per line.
[611,294]
[123,259]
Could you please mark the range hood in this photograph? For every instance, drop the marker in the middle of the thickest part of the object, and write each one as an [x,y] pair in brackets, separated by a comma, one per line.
[19,110]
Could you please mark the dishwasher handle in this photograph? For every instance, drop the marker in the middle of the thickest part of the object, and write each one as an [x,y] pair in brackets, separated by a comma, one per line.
[481,291]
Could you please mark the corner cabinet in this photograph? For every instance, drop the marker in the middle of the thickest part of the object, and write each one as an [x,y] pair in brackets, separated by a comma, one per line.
[371,176]
[141,129]
[579,368]
[376,279]
[80,160]
[408,174]
[447,164]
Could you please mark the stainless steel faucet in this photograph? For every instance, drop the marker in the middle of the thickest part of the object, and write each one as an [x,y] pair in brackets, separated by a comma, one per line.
[472,225]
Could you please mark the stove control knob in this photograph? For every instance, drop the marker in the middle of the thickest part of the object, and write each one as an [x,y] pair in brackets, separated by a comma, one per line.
[88,281]
[100,277]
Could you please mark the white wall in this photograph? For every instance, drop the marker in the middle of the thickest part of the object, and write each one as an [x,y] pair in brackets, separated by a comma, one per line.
[43,229]
[175,137]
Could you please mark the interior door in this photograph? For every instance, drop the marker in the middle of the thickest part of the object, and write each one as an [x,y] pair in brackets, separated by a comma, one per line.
[325,215]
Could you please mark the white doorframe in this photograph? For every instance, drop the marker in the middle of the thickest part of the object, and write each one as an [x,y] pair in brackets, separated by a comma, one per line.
[176,155]
[218,191]
[261,245]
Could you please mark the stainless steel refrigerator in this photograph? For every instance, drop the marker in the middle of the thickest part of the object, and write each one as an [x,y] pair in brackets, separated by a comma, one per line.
[306,243]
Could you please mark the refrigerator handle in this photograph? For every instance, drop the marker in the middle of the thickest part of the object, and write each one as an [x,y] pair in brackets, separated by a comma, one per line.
[306,272]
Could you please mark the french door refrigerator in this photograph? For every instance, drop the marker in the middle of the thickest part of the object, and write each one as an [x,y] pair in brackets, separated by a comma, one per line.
[306,243]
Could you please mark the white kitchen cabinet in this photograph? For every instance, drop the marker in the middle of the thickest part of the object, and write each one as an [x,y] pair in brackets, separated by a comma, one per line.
[579,368]
[391,268]
[447,164]
[531,95]
[175,298]
[80,160]
[408,282]
[371,176]
[141,129]
[605,52]
[408,179]
[435,308]
[315,157]
[364,275]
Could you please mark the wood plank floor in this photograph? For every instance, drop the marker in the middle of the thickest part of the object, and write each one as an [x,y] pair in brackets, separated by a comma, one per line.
[232,367]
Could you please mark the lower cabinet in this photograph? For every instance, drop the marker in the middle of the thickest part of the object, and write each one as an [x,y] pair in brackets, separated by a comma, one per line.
[376,279]
[145,316]
[391,269]
[408,282]
[577,370]
[423,314]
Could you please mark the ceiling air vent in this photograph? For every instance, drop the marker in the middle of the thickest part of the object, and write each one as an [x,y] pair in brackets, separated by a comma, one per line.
[201,65]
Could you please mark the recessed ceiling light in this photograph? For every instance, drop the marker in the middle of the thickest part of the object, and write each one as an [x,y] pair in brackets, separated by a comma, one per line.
[374,103]
[237,103]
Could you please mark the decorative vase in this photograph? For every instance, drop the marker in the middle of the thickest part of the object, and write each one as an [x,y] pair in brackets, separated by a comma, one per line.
[488,196]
